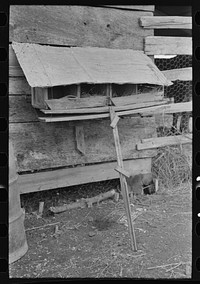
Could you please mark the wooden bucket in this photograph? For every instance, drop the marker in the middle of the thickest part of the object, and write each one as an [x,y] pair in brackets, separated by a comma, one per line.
[17,238]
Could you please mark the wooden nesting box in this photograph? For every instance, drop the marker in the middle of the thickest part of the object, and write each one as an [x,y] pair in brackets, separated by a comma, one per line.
[40,95]
[64,79]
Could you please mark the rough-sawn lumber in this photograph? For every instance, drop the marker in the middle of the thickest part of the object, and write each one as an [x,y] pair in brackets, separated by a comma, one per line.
[168,108]
[77,26]
[166,22]
[152,143]
[84,202]
[156,45]
[59,178]
[183,74]
[43,146]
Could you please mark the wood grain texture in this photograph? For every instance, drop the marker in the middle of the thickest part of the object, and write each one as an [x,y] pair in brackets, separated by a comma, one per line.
[132,7]
[79,175]
[78,26]
[80,140]
[74,103]
[124,187]
[168,45]
[19,86]
[145,111]
[170,108]
[106,109]
[164,141]
[21,110]
[15,71]
[183,74]
[166,22]
[41,146]
[140,98]
[13,62]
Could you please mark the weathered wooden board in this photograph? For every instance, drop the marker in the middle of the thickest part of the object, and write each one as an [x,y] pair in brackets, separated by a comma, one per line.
[21,110]
[74,103]
[133,7]
[19,86]
[164,141]
[15,71]
[106,109]
[145,111]
[183,74]
[80,140]
[78,26]
[79,175]
[169,108]
[40,146]
[13,62]
[166,22]
[145,97]
[155,45]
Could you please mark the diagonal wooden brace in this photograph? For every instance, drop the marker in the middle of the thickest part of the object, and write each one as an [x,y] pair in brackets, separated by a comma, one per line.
[123,182]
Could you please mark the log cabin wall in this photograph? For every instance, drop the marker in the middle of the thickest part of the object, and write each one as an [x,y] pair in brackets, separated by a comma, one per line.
[41,147]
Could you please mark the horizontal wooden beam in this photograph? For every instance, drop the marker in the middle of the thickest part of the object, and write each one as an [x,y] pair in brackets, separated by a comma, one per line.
[79,175]
[151,96]
[168,108]
[183,74]
[152,143]
[105,109]
[166,22]
[155,45]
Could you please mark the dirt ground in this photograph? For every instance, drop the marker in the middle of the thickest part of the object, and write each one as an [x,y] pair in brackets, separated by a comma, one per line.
[95,243]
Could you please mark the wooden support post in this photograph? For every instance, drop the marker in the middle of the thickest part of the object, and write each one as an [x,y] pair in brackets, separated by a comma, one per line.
[123,183]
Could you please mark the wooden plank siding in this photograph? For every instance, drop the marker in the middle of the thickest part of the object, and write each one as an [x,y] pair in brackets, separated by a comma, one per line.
[78,26]
[164,141]
[155,45]
[51,149]
[79,175]
[40,145]
[166,22]
[21,110]
[19,86]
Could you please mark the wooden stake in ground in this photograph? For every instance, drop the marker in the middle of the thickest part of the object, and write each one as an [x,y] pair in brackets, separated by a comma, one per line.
[124,188]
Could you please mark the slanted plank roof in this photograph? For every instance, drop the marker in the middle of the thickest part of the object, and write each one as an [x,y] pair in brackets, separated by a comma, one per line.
[48,66]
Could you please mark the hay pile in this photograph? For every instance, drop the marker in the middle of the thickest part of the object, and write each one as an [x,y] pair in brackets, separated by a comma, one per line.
[171,167]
